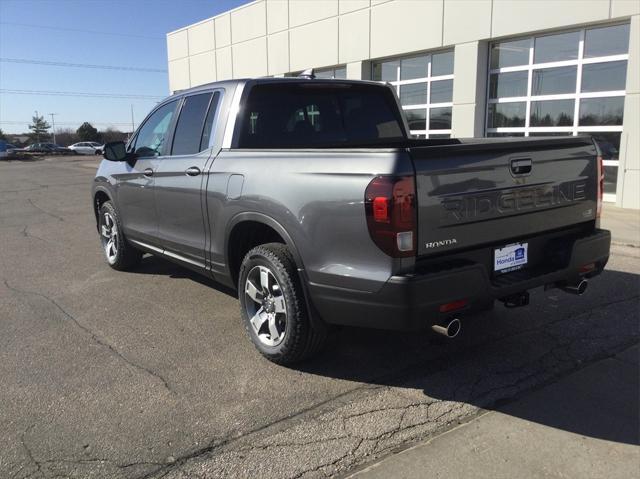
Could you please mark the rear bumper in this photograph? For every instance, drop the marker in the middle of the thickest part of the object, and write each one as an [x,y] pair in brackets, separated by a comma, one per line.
[412,302]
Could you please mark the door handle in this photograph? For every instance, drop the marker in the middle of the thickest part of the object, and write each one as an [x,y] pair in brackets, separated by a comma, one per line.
[148,172]
[193,171]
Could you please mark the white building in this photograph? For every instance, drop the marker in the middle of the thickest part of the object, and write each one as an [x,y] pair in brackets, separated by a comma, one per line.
[461,67]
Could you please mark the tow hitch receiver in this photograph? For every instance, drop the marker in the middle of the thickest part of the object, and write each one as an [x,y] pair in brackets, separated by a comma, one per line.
[516,300]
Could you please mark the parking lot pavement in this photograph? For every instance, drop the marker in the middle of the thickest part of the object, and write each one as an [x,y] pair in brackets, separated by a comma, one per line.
[585,425]
[149,374]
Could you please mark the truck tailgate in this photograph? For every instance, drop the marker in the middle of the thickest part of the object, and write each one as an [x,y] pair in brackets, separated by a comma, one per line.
[486,191]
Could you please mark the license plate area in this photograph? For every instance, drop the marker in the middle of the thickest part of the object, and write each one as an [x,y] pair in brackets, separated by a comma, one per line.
[511,257]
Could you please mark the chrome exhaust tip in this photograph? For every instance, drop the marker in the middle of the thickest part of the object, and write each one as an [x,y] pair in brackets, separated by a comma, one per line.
[577,289]
[450,328]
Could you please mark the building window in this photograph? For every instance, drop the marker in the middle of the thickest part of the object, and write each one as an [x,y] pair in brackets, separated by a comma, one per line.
[337,73]
[562,84]
[424,84]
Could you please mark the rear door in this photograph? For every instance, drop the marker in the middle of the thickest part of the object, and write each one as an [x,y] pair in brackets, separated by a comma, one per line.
[487,191]
[181,176]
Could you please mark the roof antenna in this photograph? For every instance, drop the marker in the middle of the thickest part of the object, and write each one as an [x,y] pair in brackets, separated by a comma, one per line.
[307,74]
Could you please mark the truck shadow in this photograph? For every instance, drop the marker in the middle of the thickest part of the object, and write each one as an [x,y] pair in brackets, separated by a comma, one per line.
[155,265]
[505,354]
[500,356]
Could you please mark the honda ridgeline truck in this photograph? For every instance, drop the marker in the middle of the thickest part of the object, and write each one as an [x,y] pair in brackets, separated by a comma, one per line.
[311,198]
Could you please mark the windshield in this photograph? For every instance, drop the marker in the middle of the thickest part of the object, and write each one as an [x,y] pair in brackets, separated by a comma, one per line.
[318,115]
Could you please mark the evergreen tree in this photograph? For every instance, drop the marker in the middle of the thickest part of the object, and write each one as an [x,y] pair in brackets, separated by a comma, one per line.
[39,129]
[87,132]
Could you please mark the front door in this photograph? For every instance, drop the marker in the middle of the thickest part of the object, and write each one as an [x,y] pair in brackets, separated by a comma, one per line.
[180,180]
[136,199]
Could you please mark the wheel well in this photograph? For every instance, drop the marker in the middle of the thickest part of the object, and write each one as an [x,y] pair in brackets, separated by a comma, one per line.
[244,237]
[98,201]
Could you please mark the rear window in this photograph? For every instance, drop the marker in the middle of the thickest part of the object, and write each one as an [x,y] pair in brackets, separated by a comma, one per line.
[318,115]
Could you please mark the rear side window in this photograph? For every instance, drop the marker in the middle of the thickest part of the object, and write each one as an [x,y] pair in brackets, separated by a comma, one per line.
[318,115]
[188,134]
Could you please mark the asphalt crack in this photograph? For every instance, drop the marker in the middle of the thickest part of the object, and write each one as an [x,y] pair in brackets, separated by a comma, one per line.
[59,218]
[94,336]
[27,234]
[30,455]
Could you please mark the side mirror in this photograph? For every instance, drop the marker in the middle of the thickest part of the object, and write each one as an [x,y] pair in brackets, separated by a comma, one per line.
[115,151]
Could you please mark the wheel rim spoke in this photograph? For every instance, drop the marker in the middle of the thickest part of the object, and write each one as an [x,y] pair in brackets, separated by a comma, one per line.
[253,292]
[280,306]
[258,320]
[105,231]
[273,329]
[264,279]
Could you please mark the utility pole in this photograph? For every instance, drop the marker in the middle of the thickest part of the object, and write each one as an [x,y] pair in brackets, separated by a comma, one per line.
[53,125]
[133,125]
[37,129]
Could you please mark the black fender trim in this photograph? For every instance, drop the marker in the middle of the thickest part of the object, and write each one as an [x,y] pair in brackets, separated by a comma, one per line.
[268,221]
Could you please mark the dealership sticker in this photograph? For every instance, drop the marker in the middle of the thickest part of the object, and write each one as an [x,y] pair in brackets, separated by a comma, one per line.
[510,258]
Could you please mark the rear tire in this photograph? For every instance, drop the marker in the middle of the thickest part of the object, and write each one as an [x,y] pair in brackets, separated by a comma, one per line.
[273,307]
[119,253]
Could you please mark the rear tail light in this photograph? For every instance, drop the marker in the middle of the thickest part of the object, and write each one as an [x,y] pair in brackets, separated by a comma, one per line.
[600,186]
[390,206]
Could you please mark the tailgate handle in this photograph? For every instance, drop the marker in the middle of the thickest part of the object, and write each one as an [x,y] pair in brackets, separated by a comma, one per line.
[521,167]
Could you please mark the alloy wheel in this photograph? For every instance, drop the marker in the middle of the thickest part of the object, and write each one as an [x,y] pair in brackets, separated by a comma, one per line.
[109,237]
[265,306]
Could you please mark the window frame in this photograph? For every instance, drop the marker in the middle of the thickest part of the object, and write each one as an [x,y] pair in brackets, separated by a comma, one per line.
[576,96]
[398,83]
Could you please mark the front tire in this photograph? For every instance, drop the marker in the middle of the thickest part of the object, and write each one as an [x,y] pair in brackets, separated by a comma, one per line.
[273,307]
[119,253]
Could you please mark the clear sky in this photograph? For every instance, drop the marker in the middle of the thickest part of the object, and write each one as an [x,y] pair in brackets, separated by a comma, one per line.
[133,37]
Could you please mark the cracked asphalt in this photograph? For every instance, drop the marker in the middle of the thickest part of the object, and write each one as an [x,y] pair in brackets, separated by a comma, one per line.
[149,374]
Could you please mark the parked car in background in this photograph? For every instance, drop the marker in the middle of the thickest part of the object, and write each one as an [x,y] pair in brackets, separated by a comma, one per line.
[36,148]
[5,149]
[60,150]
[87,148]
[49,148]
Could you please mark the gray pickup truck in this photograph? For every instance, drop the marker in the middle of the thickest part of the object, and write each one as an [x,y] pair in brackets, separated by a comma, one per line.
[311,198]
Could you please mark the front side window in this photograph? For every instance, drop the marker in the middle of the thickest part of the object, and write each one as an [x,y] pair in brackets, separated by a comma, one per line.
[424,84]
[566,83]
[152,136]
